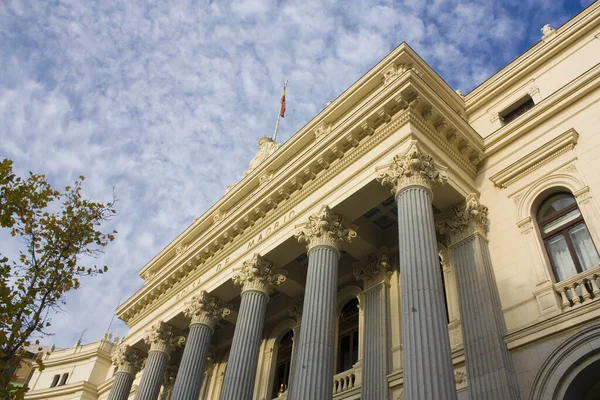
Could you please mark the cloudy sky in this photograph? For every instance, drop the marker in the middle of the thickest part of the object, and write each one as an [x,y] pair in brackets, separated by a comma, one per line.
[166,101]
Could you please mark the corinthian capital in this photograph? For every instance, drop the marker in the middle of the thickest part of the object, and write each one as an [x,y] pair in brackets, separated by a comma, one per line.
[205,309]
[374,269]
[414,168]
[324,229]
[258,274]
[127,359]
[467,220]
[163,337]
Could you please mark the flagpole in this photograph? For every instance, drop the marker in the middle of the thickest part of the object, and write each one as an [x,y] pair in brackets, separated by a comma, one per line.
[279,115]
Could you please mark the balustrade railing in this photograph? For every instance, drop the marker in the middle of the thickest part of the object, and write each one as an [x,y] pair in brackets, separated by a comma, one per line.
[580,289]
[346,380]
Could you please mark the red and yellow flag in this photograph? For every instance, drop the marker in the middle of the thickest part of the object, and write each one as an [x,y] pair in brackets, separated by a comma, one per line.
[282,108]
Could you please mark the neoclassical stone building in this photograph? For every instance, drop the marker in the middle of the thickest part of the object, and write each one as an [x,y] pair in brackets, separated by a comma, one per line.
[410,242]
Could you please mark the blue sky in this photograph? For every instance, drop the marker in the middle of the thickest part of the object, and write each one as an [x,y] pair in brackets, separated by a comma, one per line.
[165,101]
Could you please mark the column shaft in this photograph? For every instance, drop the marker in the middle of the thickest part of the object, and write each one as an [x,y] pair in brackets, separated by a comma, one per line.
[490,368]
[121,386]
[243,358]
[314,365]
[426,355]
[376,350]
[151,381]
[189,377]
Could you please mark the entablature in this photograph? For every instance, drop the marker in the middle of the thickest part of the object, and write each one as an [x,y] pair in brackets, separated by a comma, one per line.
[405,94]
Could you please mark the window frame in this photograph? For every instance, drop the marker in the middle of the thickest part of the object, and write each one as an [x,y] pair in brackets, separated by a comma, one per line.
[348,332]
[562,230]
[287,360]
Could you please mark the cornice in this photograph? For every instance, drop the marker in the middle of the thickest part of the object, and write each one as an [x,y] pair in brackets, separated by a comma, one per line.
[407,98]
[555,325]
[71,358]
[535,159]
[359,93]
[547,108]
[538,55]
[85,387]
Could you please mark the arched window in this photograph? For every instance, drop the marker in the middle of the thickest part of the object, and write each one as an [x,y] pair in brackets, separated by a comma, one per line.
[566,237]
[348,336]
[282,368]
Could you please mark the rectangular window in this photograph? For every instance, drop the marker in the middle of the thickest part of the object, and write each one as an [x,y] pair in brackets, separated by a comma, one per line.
[517,109]
[64,379]
[55,381]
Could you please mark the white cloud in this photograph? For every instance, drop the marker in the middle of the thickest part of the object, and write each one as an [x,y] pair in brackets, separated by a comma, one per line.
[165,102]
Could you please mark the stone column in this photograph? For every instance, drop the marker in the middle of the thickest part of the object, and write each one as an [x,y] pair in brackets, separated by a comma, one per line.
[375,273]
[257,278]
[314,365]
[426,356]
[490,369]
[204,311]
[128,361]
[162,340]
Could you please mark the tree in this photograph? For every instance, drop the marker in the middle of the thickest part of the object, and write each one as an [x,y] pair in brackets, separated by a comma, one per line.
[57,234]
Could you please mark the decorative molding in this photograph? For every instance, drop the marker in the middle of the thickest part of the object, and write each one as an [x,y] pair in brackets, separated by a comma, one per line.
[258,274]
[219,216]
[168,379]
[295,311]
[465,221]
[532,161]
[206,309]
[180,249]
[374,269]
[324,229]
[163,337]
[394,71]
[414,168]
[322,130]
[127,359]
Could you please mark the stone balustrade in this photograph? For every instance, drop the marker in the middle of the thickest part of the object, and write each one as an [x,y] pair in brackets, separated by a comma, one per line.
[580,289]
[346,380]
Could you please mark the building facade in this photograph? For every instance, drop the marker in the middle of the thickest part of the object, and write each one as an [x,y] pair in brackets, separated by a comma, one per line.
[408,242]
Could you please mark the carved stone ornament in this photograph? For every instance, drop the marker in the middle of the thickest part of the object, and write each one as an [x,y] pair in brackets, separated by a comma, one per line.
[258,274]
[162,337]
[374,269]
[266,147]
[322,130]
[412,168]
[168,380]
[324,229]
[206,309]
[295,311]
[460,377]
[465,221]
[127,359]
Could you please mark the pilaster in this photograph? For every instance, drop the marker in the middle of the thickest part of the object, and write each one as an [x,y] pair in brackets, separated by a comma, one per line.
[490,369]
[375,273]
